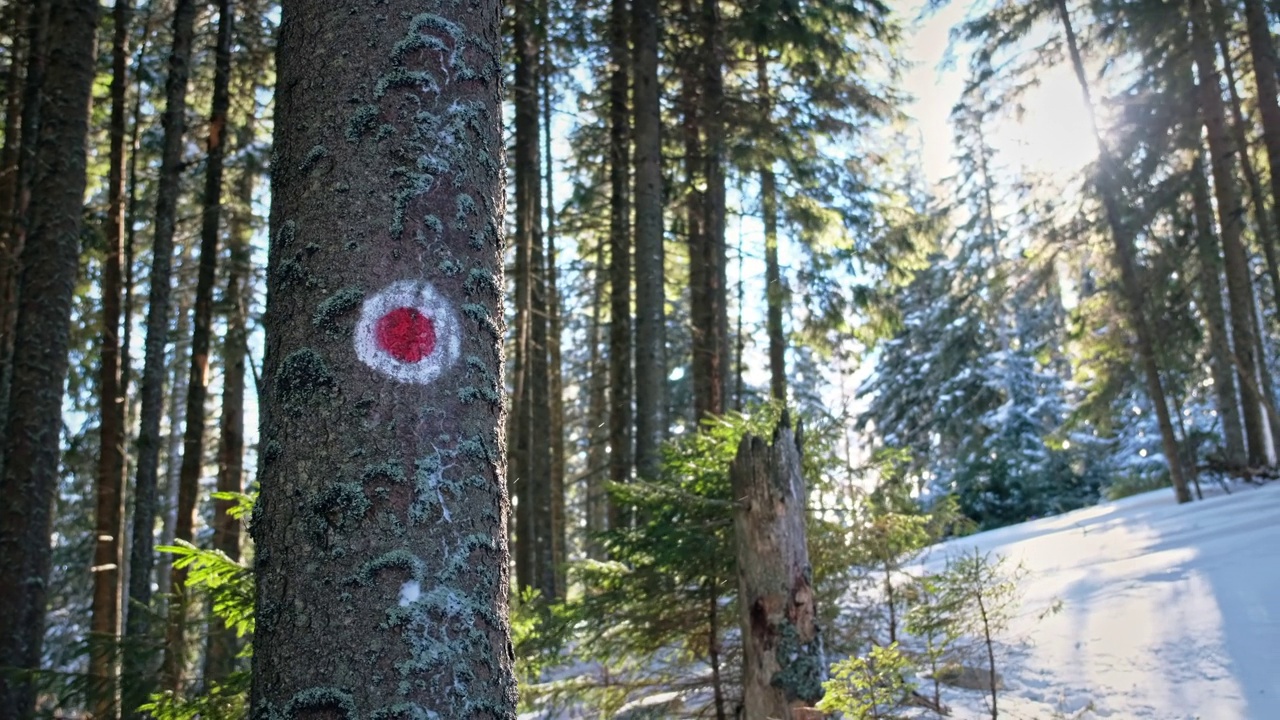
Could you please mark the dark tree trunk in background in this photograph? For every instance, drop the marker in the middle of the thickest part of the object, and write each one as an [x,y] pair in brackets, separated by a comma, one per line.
[137,676]
[691,108]
[775,293]
[650,314]
[1210,283]
[221,649]
[1107,181]
[108,557]
[782,663]
[1262,50]
[708,302]
[596,430]
[175,647]
[19,221]
[1230,224]
[621,449]
[555,383]
[536,477]
[42,338]
[381,561]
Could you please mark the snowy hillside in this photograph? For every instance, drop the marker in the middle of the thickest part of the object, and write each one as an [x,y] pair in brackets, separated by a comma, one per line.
[1169,612]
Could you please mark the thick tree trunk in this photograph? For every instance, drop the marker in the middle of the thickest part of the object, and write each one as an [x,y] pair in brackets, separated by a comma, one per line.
[108,554]
[1215,320]
[175,647]
[1230,223]
[709,305]
[775,293]
[782,662]
[42,332]
[650,314]
[621,457]
[221,649]
[142,555]
[381,561]
[1106,180]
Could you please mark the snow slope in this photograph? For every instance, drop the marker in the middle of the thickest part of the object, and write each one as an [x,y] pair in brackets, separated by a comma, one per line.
[1168,612]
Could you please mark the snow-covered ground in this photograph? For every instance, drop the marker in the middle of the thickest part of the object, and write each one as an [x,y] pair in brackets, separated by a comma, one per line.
[1168,612]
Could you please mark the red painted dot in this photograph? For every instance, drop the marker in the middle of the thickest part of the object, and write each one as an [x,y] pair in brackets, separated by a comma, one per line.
[406,334]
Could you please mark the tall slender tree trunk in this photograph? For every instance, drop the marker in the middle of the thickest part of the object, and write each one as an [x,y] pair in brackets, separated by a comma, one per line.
[1230,223]
[138,679]
[220,652]
[528,192]
[175,647]
[1107,181]
[178,374]
[1220,365]
[381,566]
[650,313]
[1263,52]
[108,556]
[19,223]
[42,339]
[1257,198]
[621,455]
[709,307]
[775,293]
[554,323]
[597,420]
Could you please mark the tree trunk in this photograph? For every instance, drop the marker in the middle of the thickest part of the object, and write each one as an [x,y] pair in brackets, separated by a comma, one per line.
[559,550]
[782,662]
[20,221]
[175,647]
[109,513]
[1215,320]
[381,565]
[142,555]
[1263,51]
[1230,222]
[221,649]
[42,339]
[708,302]
[597,424]
[1239,131]
[620,339]
[1106,181]
[650,314]
[775,293]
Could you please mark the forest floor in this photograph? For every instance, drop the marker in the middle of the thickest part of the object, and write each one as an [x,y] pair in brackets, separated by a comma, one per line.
[1167,612]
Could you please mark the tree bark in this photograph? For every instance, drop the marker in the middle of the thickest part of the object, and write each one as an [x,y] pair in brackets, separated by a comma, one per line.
[775,293]
[381,565]
[650,312]
[621,457]
[782,663]
[597,428]
[1215,320]
[108,556]
[1106,180]
[42,339]
[559,549]
[1230,223]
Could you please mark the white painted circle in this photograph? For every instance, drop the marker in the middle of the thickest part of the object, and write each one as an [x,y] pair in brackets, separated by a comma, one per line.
[420,300]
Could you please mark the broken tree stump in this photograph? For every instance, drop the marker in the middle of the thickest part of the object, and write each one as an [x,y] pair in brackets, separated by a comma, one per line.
[783,664]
